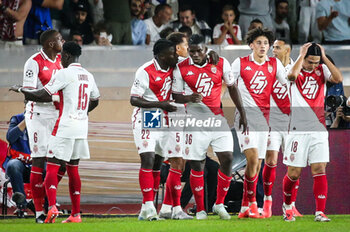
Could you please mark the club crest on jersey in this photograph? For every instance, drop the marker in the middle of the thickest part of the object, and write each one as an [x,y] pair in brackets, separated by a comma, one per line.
[246,140]
[270,68]
[152,118]
[187,150]
[145,143]
[318,72]
[177,148]
[35,148]
[213,69]
[292,157]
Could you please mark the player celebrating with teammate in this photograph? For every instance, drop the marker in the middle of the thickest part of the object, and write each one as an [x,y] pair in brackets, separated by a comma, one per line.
[198,83]
[40,117]
[307,141]
[78,95]
[279,122]
[255,75]
[151,89]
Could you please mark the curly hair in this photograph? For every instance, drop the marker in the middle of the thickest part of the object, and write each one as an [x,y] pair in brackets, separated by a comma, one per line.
[255,33]
[72,48]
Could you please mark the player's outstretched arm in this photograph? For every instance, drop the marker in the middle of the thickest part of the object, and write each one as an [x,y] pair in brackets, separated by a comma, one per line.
[40,95]
[183,99]
[93,104]
[295,70]
[164,105]
[236,98]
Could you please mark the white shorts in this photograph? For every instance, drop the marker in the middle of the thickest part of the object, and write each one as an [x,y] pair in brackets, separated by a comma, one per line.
[39,127]
[68,149]
[162,142]
[196,143]
[305,149]
[253,139]
[275,140]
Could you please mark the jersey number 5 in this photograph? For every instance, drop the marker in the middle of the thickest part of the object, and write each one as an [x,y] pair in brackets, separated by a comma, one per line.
[83,97]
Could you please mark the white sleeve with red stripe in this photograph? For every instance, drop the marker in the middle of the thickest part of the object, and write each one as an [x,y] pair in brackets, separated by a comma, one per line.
[236,69]
[228,75]
[57,82]
[30,74]
[178,85]
[95,93]
[281,74]
[326,72]
[141,83]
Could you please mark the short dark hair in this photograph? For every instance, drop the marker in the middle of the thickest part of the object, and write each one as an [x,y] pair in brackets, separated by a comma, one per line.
[176,37]
[227,8]
[165,32]
[72,48]
[186,7]
[313,50]
[47,35]
[100,26]
[256,21]
[161,7]
[161,45]
[186,29]
[196,39]
[280,1]
[255,33]
[286,42]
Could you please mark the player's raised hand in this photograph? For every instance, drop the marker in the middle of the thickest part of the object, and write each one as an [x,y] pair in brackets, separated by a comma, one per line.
[15,88]
[196,97]
[304,48]
[167,106]
[213,57]
[323,53]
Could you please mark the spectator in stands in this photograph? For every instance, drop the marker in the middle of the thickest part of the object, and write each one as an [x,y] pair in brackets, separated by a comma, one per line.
[186,30]
[162,15]
[39,19]
[281,27]
[187,18]
[165,32]
[227,33]
[255,23]
[81,23]
[118,19]
[333,19]
[138,26]
[101,35]
[341,120]
[254,9]
[307,22]
[77,37]
[96,10]
[12,17]
[18,162]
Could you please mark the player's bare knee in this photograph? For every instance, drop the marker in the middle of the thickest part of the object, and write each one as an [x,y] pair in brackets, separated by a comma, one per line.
[176,163]
[197,165]
[147,160]
[294,173]
[39,162]
[158,160]
[318,168]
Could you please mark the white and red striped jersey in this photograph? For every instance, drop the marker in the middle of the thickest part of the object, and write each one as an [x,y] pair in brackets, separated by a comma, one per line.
[38,71]
[255,83]
[280,104]
[307,100]
[206,79]
[152,83]
[76,87]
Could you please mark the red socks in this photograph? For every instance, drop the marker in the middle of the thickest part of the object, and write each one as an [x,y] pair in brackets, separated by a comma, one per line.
[222,188]
[156,182]
[37,187]
[174,183]
[288,187]
[51,182]
[320,191]
[269,176]
[197,186]
[60,175]
[146,184]
[74,187]
[251,187]
[295,191]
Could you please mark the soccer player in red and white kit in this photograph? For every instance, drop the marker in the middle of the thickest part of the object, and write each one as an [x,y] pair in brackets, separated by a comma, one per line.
[279,124]
[40,117]
[307,141]
[255,75]
[151,89]
[68,144]
[198,83]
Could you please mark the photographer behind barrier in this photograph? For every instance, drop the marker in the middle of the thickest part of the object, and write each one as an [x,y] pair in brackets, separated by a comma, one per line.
[342,107]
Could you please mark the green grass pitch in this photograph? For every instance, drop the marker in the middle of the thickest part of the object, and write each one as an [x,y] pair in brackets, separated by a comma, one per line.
[306,223]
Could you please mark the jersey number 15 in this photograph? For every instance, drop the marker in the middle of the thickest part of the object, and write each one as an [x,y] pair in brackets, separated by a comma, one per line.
[83,97]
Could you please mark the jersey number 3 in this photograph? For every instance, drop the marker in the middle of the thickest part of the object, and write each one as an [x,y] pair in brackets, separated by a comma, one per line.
[83,97]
